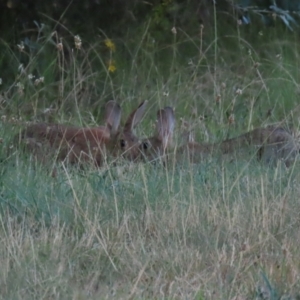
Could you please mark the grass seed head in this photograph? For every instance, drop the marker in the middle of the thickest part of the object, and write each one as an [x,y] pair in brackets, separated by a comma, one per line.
[231,119]
[78,42]
[60,46]
[21,46]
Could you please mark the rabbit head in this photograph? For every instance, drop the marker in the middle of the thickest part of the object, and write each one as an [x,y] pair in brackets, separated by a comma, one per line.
[158,145]
[125,142]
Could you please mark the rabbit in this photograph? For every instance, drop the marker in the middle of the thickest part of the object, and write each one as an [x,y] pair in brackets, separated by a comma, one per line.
[272,143]
[159,145]
[78,145]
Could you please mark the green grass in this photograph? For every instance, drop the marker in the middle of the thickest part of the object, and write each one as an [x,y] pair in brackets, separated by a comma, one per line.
[223,229]
[149,231]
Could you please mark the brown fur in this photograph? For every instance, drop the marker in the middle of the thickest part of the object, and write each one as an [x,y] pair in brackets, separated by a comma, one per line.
[79,145]
[271,143]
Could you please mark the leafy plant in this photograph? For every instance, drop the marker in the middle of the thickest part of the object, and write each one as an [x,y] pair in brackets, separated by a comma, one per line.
[269,11]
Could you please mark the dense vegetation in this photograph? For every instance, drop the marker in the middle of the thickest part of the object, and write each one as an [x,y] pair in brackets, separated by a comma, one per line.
[223,229]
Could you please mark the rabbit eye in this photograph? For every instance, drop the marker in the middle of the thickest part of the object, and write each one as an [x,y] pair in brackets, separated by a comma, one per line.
[145,145]
[122,143]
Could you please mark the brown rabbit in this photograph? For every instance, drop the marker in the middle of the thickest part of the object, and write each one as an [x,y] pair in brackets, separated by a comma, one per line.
[77,145]
[272,143]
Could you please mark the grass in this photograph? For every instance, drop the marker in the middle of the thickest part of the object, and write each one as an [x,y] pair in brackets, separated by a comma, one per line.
[211,230]
[225,229]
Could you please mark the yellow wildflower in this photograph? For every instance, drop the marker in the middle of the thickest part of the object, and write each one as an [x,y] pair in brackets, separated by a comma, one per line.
[110,44]
[111,66]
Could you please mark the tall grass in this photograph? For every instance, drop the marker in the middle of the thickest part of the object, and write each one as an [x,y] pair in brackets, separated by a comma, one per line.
[223,229]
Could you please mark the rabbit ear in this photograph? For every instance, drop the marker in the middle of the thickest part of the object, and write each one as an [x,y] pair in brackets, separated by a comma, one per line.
[135,117]
[112,115]
[187,135]
[171,118]
[165,125]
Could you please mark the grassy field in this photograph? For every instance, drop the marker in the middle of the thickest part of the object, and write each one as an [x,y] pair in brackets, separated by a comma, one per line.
[223,229]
